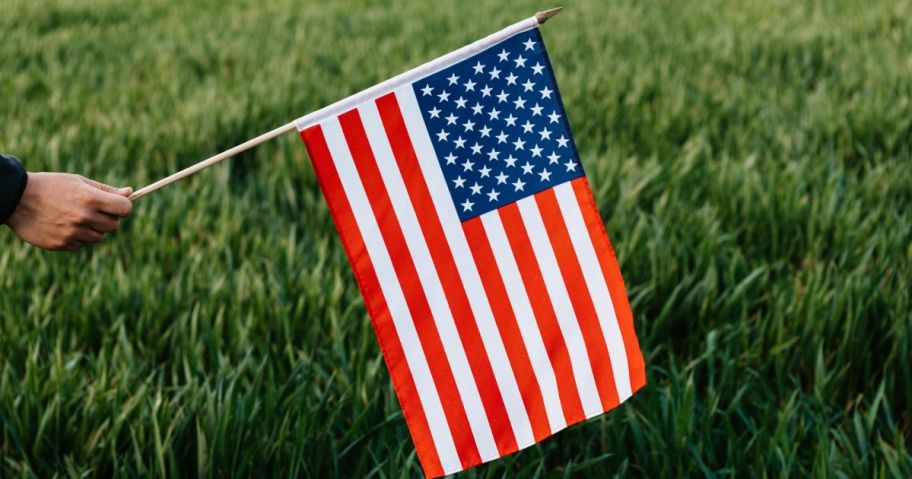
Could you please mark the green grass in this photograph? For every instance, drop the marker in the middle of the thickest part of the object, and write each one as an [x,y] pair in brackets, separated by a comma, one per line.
[752,161]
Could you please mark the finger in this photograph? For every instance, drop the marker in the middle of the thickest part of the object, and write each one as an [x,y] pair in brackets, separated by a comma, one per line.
[126,191]
[113,204]
[88,235]
[103,222]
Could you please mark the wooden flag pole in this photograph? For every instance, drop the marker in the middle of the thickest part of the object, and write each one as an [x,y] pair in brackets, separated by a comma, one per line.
[211,161]
[541,17]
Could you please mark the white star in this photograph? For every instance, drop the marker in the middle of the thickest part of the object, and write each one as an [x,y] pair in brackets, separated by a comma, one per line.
[493,154]
[426,90]
[527,168]
[519,144]
[562,141]
[485,171]
[571,165]
[452,78]
[494,114]
[503,55]
[434,112]
[451,159]
[495,73]
[460,143]
[536,151]
[486,91]
[554,117]
[502,137]
[469,125]
[469,85]
[501,178]
[527,127]
[511,160]
[467,206]
[444,96]
[546,92]
[536,110]
[511,79]
[520,61]
[479,68]
[493,194]
[476,110]
[537,68]
[485,132]
[511,120]
[467,166]
[442,136]
[529,44]
[476,148]
[518,185]
[502,97]
[553,157]
[459,181]
[528,85]
[451,120]
[476,188]
[545,134]
[545,175]
[460,103]
[520,103]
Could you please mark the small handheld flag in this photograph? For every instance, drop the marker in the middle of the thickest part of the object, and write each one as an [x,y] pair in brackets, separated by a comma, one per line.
[487,273]
[468,221]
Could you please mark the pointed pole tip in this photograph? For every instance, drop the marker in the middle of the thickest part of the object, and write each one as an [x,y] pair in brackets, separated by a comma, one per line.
[543,16]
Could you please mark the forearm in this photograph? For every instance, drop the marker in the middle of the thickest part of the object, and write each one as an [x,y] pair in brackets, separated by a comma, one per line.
[12,183]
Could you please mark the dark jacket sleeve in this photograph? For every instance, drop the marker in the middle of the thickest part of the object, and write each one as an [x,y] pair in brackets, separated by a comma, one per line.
[12,184]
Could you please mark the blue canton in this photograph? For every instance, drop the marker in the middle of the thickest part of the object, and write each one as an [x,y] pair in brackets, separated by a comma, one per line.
[498,125]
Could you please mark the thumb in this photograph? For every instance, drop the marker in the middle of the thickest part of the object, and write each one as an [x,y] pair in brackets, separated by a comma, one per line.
[125,191]
[99,186]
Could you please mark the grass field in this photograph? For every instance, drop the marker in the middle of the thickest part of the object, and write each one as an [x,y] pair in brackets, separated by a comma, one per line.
[752,161]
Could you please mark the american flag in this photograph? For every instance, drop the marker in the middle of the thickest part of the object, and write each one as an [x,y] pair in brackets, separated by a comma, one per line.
[484,265]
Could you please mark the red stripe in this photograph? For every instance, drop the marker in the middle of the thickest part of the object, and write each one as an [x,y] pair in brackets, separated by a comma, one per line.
[376,304]
[445,265]
[544,312]
[586,316]
[417,302]
[508,327]
[612,273]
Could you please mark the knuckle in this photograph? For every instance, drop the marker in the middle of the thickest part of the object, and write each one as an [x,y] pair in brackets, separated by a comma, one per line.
[86,197]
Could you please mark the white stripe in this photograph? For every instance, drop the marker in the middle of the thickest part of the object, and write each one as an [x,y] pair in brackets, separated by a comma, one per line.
[416,73]
[563,308]
[525,318]
[395,299]
[598,288]
[430,281]
[465,264]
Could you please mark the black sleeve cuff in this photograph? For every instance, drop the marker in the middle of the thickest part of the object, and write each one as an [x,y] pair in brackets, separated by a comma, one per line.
[12,183]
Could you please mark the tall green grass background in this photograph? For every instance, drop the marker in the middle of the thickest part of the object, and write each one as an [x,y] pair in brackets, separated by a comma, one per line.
[751,161]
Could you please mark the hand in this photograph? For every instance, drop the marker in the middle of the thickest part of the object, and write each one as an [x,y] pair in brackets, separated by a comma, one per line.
[60,211]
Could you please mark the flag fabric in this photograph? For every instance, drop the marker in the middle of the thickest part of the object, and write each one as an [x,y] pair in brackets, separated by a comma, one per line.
[484,265]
